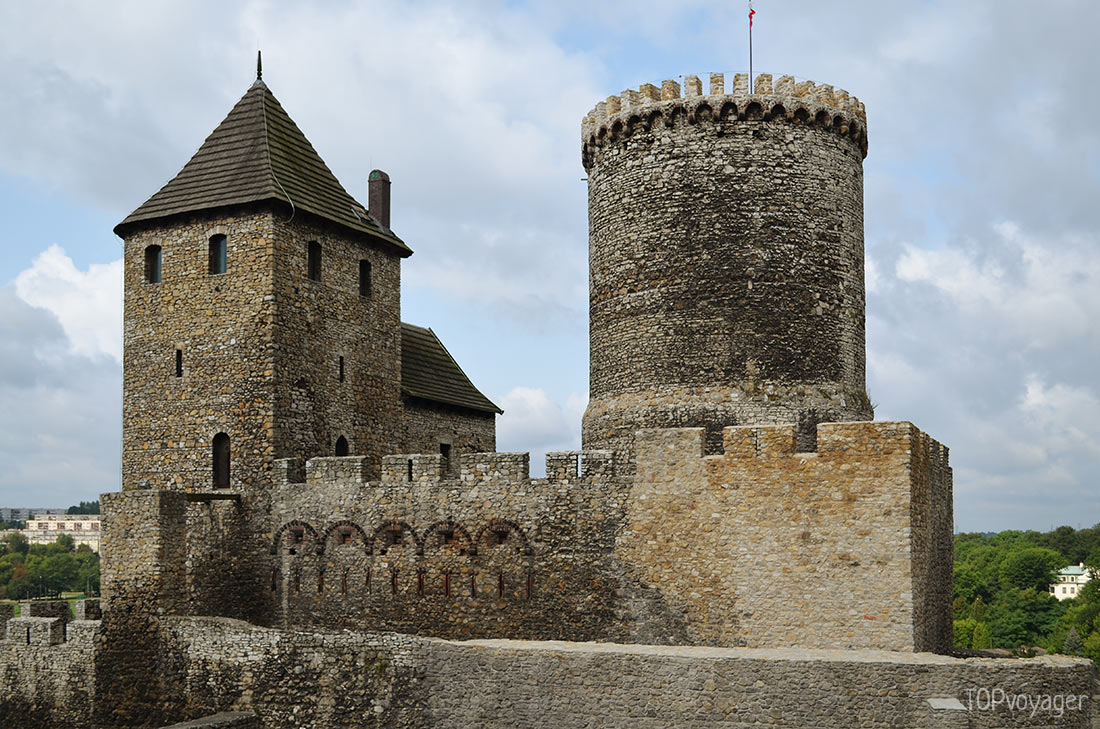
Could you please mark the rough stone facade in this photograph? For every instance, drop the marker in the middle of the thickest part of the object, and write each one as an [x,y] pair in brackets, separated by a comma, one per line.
[725,259]
[429,426]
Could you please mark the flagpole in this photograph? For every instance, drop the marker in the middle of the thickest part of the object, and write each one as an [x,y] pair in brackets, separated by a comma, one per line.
[750,45]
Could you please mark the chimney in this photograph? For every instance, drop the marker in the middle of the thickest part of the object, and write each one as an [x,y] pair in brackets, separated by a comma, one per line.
[378,197]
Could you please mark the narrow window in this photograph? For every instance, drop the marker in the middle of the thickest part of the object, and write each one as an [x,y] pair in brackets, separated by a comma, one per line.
[420,584]
[274,579]
[341,446]
[152,264]
[445,452]
[296,581]
[314,262]
[179,363]
[410,474]
[473,584]
[344,583]
[530,583]
[446,584]
[217,255]
[393,582]
[341,375]
[500,585]
[364,278]
[221,461]
[369,570]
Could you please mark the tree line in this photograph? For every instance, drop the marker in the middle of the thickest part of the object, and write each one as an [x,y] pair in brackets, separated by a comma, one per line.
[46,570]
[1002,591]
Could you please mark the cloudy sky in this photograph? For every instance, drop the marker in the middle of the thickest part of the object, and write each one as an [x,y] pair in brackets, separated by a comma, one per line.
[982,201]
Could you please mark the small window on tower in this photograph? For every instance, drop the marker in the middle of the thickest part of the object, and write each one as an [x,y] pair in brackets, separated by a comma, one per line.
[341,374]
[179,363]
[152,264]
[341,446]
[217,255]
[364,278]
[445,453]
[221,461]
[314,261]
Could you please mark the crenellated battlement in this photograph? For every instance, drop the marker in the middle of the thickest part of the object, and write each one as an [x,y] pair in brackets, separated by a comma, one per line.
[797,102]
[431,468]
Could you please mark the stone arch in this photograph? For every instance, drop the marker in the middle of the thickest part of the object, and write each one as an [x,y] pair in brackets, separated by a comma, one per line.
[822,118]
[510,527]
[728,110]
[701,112]
[305,526]
[632,124]
[754,110]
[336,526]
[389,526]
[616,129]
[674,115]
[652,117]
[802,115]
[778,111]
[465,545]
[341,446]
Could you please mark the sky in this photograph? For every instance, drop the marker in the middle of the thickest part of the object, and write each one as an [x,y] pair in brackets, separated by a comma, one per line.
[982,201]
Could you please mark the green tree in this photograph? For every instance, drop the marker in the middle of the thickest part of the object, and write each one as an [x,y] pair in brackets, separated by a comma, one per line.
[1073,645]
[1092,646]
[1031,568]
[85,507]
[16,543]
[983,637]
[963,632]
[67,542]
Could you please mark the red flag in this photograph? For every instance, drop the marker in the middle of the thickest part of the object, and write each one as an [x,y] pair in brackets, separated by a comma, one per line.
[751,13]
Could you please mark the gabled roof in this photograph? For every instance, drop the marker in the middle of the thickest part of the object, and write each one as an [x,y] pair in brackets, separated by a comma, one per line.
[429,372]
[258,154]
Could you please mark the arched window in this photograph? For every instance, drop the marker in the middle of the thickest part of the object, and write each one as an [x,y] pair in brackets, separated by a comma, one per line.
[313,266]
[364,278]
[221,461]
[217,255]
[341,446]
[152,264]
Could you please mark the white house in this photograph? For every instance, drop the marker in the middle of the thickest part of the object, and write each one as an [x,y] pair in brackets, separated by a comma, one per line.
[1070,581]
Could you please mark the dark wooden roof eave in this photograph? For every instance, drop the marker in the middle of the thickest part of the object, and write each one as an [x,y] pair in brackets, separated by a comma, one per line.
[132,225]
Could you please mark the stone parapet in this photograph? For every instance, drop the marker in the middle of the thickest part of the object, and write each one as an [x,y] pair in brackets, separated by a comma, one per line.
[800,102]
[36,631]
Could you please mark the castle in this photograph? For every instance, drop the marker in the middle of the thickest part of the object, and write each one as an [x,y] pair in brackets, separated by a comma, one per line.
[313,530]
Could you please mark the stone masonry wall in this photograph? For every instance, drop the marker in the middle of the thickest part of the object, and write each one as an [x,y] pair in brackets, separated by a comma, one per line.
[319,322]
[317,679]
[48,680]
[428,425]
[725,259]
[223,326]
[483,551]
[763,546]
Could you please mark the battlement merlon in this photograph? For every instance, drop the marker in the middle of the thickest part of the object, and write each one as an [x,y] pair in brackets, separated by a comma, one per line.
[786,98]
[421,468]
[779,441]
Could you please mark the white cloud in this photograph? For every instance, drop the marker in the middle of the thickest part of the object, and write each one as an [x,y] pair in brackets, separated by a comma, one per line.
[87,303]
[535,422]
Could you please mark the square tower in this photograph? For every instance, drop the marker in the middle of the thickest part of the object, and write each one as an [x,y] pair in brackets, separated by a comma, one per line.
[262,313]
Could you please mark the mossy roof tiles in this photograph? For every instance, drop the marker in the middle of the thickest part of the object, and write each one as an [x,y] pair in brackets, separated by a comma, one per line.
[429,372]
[259,154]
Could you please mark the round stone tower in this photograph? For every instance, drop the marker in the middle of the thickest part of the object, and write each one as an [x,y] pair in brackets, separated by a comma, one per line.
[725,258]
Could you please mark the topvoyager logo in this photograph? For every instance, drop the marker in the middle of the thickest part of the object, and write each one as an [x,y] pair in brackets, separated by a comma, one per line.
[997,699]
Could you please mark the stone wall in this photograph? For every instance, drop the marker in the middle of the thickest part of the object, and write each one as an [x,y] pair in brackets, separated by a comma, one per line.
[428,425]
[726,259]
[764,546]
[221,324]
[482,551]
[318,323]
[314,679]
[47,674]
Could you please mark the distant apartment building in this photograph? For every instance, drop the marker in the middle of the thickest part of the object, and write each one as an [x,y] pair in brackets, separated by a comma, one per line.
[18,514]
[45,528]
[1070,581]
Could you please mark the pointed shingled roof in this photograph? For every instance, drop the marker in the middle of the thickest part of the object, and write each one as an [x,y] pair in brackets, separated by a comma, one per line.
[258,154]
[429,372]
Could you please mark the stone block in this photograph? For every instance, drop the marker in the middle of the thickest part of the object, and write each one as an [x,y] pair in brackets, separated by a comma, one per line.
[36,631]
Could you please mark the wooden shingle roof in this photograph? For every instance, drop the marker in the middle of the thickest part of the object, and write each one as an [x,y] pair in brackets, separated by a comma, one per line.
[258,154]
[429,372]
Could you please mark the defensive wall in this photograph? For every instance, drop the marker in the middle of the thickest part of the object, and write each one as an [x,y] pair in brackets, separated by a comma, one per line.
[229,671]
[844,546]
